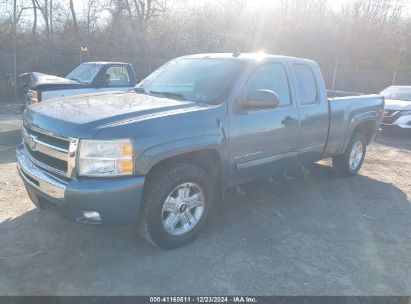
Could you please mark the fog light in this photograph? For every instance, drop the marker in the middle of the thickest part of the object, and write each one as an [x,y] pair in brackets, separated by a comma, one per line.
[91,215]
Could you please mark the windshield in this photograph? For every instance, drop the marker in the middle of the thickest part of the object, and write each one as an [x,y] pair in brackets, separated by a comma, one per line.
[402,93]
[196,79]
[85,72]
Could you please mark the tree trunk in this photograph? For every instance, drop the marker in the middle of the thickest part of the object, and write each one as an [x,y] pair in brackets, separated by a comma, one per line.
[34,28]
[51,19]
[73,15]
[44,10]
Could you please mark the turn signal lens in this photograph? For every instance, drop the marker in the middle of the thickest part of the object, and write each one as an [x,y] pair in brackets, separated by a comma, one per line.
[125,166]
[35,96]
[126,150]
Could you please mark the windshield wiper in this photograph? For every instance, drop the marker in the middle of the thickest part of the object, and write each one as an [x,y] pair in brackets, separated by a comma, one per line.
[141,90]
[170,94]
[78,80]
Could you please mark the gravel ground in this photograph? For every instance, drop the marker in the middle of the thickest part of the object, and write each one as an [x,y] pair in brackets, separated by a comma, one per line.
[319,234]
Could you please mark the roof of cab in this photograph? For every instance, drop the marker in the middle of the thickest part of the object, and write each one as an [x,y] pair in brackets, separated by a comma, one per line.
[248,56]
[399,86]
[106,62]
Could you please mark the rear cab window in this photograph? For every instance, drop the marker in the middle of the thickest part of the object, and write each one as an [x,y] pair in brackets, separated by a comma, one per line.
[306,84]
[117,76]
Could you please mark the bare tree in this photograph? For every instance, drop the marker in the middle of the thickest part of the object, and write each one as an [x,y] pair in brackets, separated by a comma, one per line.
[43,7]
[34,27]
[73,15]
[138,12]
[363,33]
[51,19]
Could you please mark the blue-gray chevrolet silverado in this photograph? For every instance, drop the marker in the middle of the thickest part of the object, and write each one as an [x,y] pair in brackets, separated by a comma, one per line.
[159,155]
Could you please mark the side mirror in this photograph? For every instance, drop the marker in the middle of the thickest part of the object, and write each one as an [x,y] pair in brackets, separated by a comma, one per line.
[261,99]
[103,80]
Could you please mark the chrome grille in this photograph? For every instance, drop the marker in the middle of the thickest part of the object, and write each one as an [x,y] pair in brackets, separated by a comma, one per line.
[48,150]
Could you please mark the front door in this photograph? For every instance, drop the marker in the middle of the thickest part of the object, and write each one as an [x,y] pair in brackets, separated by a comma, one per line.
[264,141]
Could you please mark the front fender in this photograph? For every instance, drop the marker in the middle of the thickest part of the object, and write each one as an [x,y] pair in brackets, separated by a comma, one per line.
[163,151]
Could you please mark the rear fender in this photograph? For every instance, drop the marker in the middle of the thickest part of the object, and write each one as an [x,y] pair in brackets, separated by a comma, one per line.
[355,121]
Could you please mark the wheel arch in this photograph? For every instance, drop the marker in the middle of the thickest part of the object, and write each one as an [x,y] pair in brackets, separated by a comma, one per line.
[207,158]
[206,151]
[366,128]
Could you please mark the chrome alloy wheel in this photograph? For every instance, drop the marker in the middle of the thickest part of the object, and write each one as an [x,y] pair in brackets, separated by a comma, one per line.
[356,155]
[183,209]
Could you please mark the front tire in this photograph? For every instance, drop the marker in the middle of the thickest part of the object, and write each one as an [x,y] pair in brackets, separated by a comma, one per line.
[351,161]
[176,203]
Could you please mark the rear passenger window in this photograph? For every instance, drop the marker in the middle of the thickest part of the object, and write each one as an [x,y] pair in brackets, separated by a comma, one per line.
[117,76]
[270,76]
[306,84]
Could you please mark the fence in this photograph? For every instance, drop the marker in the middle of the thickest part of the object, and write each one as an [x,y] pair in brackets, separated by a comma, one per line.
[364,79]
[347,78]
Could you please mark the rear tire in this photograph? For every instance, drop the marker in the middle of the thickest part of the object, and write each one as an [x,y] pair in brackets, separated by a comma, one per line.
[176,203]
[351,161]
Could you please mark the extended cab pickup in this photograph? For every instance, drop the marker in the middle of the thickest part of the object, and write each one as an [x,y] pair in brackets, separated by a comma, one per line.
[89,77]
[159,156]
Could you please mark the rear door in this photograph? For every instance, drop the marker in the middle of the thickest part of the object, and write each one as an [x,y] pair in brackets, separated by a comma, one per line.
[313,108]
[262,141]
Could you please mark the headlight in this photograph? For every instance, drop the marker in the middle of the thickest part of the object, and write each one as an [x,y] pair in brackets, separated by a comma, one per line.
[406,112]
[35,96]
[105,157]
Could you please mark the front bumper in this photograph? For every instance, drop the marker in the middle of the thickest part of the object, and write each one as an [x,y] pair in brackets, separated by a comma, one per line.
[117,200]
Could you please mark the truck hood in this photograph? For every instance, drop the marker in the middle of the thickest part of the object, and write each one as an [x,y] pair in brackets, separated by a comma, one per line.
[397,105]
[83,116]
[37,80]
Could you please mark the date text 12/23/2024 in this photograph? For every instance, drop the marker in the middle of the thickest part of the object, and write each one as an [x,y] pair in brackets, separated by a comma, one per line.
[234,299]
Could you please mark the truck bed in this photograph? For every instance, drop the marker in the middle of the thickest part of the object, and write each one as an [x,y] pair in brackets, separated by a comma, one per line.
[344,112]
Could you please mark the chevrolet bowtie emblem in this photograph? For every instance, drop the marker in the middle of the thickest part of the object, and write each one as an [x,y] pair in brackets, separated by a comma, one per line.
[32,142]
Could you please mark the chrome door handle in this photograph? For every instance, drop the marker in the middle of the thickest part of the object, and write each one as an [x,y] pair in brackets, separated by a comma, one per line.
[288,121]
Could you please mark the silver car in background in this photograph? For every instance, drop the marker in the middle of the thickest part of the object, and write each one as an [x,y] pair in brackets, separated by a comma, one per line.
[397,110]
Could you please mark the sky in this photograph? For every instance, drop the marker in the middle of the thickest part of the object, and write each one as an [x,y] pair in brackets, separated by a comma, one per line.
[80,5]
[334,4]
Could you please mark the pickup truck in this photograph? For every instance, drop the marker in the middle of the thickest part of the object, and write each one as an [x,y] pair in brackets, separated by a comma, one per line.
[89,77]
[160,156]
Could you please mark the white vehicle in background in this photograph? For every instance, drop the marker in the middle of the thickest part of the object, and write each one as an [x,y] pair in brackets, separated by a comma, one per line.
[89,77]
[397,110]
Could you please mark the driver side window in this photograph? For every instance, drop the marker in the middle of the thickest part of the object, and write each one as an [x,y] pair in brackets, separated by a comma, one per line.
[270,76]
